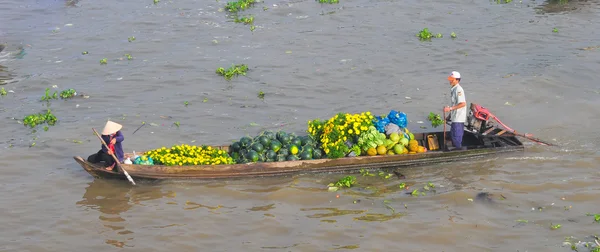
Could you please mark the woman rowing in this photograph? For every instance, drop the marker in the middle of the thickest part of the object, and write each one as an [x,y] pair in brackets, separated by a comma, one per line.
[112,136]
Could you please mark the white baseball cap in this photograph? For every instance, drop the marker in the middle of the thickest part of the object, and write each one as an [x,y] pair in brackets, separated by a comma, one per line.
[455,75]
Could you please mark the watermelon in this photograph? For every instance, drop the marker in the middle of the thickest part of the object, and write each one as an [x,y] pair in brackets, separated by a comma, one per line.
[307,141]
[284,151]
[281,158]
[236,146]
[265,141]
[258,147]
[305,155]
[281,135]
[275,145]
[269,134]
[270,154]
[245,142]
[252,156]
[296,141]
[292,158]
[317,153]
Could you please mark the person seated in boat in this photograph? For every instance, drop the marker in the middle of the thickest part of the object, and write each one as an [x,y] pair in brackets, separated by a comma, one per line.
[458,110]
[112,136]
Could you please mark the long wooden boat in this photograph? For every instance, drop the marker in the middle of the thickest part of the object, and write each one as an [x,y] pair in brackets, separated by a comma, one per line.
[478,145]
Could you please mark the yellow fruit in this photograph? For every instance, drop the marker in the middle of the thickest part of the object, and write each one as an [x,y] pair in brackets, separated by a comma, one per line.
[381,150]
[390,152]
[405,151]
[412,152]
[371,152]
[420,149]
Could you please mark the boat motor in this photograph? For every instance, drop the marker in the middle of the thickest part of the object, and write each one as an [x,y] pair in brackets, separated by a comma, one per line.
[478,119]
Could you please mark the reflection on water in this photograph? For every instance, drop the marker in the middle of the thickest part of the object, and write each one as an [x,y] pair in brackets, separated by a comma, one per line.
[114,199]
[5,56]
[558,6]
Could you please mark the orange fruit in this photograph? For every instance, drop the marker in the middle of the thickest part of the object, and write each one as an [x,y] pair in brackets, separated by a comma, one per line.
[371,152]
[381,150]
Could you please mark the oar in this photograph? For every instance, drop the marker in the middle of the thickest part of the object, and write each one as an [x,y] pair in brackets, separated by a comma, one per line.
[444,112]
[113,155]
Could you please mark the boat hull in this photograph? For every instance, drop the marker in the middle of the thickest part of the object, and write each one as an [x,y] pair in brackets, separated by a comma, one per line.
[476,145]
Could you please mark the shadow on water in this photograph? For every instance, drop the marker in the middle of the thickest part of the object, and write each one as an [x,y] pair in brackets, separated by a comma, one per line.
[561,6]
[111,200]
[5,74]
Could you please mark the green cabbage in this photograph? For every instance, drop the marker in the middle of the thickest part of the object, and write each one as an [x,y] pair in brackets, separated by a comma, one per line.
[370,138]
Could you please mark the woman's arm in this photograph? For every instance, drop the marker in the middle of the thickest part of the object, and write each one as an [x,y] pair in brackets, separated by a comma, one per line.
[119,137]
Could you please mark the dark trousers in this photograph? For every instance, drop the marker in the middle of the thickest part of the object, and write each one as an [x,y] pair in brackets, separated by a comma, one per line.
[456,133]
[101,156]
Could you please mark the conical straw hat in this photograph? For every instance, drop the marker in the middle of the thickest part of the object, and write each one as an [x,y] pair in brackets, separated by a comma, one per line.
[111,127]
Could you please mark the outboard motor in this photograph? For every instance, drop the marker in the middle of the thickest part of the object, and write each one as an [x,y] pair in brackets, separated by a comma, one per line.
[478,119]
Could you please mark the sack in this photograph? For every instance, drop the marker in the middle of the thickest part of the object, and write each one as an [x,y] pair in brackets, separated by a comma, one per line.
[392,128]
[380,123]
[143,160]
[398,118]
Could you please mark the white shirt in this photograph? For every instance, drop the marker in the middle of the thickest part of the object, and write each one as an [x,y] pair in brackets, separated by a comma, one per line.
[457,95]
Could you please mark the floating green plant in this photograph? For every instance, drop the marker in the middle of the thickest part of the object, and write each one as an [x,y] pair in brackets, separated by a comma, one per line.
[245,20]
[234,70]
[131,39]
[453,35]
[103,61]
[328,1]
[555,30]
[425,35]
[69,93]
[3,92]
[239,5]
[38,119]
[261,95]
[48,97]
[347,181]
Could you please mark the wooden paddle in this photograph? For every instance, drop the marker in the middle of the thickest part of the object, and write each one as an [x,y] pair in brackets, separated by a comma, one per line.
[113,155]
[444,112]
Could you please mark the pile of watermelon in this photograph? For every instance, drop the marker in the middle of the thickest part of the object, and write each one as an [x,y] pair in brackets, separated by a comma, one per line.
[269,146]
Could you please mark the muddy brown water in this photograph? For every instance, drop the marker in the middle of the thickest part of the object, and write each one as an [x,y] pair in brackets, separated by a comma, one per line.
[311,61]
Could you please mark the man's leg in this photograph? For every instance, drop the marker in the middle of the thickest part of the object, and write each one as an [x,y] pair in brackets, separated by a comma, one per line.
[456,131]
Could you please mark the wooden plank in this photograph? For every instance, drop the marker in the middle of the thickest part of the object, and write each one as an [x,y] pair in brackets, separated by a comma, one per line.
[501,132]
[488,131]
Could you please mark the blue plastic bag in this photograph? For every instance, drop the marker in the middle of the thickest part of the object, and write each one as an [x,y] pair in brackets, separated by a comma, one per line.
[140,161]
[398,118]
[380,123]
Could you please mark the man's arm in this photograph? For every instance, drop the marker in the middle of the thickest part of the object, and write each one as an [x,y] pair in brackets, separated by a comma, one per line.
[460,105]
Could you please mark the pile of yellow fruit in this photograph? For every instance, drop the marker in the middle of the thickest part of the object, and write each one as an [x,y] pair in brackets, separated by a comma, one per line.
[189,155]
[396,144]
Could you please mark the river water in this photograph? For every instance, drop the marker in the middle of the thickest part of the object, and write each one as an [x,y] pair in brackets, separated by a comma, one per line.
[311,61]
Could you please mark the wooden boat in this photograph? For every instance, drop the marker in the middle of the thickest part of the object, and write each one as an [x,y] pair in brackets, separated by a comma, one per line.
[494,141]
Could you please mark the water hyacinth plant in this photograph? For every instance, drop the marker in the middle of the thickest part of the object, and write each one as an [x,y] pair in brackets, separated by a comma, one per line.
[328,1]
[69,93]
[239,5]
[37,119]
[245,20]
[234,70]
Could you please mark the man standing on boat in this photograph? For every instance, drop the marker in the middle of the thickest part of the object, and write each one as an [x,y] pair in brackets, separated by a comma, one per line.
[458,110]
